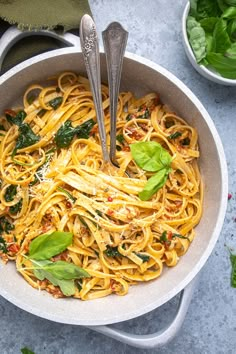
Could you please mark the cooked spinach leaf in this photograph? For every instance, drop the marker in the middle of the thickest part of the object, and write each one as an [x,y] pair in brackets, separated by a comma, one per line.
[120,138]
[66,133]
[144,257]
[175,135]
[3,245]
[5,225]
[112,252]
[17,207]
[15,119]
[56,102]
[10,193]
[26,138]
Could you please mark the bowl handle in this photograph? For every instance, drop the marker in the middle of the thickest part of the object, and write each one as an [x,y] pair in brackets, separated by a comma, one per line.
[160,338]
[13,35]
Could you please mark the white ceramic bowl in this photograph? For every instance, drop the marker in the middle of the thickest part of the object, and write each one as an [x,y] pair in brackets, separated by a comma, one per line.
[207,73]
[140,76]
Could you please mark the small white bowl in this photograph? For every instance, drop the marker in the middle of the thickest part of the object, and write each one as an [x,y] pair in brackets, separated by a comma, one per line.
[207,73]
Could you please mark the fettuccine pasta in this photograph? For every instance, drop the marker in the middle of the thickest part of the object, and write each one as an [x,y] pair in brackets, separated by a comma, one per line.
[53,178]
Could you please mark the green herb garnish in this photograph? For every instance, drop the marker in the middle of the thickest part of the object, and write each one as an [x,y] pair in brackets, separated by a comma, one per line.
[152,157]
[70,196]
[48,245]
[59,273]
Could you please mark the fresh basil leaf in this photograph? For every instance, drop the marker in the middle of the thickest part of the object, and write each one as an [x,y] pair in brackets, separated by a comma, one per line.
[232,30]
[26,350]
[150,156]
[230,2]
[56,102]
[221,41]
[233,271]
[231,52]
[49,245]
[67,286]
[154,183]
[197,38]
[209,45]
[10,193]
[222,64]
[2,127]
[207,8]
[18,119]
[193,8]
[222,5]
[208,24]
[229,13]
[66,271]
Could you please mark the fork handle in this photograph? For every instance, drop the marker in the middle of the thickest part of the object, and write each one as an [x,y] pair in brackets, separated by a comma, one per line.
[90,50]
[114,41]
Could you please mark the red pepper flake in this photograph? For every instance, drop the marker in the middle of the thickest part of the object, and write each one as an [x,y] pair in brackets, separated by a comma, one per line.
[170,234]
[110,212]
[14,248]
[109,199]
[229,196]
[68,205]
[126,148]
[10,112]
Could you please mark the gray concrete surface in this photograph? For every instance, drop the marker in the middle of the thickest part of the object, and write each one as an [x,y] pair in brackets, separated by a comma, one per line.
[210,325]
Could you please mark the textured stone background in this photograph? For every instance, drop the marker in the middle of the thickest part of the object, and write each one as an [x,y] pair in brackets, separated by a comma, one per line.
[210,324]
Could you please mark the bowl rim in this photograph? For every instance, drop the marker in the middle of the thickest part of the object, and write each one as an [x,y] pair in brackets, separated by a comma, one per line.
[208,74]
[149,306]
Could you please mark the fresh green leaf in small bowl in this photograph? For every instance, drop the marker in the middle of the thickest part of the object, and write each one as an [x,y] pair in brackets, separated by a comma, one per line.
[211,33]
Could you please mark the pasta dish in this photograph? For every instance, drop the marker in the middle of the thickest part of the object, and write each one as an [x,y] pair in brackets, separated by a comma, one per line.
[73,227]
